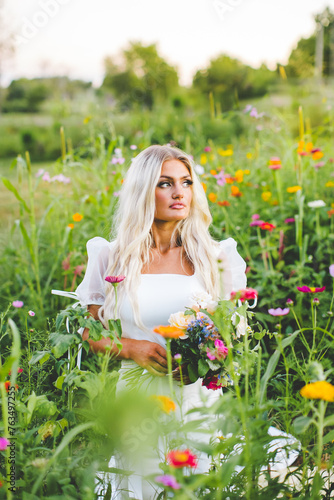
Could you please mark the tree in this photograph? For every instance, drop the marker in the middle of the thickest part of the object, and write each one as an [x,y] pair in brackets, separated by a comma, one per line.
[302,60]
[142,76]
[229,79]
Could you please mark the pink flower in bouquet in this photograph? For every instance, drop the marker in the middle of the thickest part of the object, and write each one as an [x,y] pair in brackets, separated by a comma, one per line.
[279,311]
[210,355]
[331,270]
[221,348]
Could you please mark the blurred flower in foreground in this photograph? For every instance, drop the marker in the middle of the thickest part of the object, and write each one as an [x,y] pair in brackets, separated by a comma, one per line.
[245,294]
[169,332]
[17,303]
[31,313]
[290,220]
[168,481]
[279,311]
[70,225]
[331,270]
[318,390]
[310,289]
[133,147]
[316,204]
[181,458]
[166,403]
[275,163]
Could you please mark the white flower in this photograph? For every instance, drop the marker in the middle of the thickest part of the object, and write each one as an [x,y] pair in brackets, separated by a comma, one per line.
[180,320]
[316,204]
[203,300]
[241,326]
[199,169]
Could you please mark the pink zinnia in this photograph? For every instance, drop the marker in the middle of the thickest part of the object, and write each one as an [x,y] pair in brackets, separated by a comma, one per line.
[115,279]
[17,303]
[289,220]
[310,289]
[4,443]
[256,223]
[331,270]
[279,311]
[207,149]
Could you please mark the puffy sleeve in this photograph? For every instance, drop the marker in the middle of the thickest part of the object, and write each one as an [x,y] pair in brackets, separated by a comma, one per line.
[233,267]
[92,288]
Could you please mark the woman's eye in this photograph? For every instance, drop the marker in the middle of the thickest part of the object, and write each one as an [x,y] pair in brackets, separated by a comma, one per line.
[188,182]
[162,184]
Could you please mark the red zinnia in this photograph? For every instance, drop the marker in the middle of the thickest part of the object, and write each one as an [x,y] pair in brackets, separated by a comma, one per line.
[224,203]
[181,458]
[267,226]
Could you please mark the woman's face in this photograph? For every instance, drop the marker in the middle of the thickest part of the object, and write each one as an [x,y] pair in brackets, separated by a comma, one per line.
[173,193]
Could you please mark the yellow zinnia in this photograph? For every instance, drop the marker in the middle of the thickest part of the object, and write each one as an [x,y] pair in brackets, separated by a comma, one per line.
[266,195]
[203,159]
[239,175]
[318,390]
[293,189]
[329,184]
[166,403]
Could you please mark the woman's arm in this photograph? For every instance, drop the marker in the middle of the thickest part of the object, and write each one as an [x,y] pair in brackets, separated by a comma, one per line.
[149,355]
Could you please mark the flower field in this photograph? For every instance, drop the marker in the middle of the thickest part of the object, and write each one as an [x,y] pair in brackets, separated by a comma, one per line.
[271,191]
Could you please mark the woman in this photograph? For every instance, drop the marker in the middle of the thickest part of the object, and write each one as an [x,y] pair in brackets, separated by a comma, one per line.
[163,247]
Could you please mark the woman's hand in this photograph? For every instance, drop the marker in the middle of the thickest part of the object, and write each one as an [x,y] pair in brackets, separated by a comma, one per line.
[185,377]
[149,355]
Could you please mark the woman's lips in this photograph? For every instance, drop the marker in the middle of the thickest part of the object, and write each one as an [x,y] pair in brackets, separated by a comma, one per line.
[177,205]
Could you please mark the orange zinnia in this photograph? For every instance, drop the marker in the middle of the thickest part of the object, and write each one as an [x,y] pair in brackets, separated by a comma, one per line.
[77,217]
[212,197]
[169,332]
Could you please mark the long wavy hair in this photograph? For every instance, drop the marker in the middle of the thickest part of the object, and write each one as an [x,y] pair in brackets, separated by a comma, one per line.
[132,229]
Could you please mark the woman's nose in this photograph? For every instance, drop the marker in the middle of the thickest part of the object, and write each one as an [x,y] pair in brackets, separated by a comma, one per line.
[178,192]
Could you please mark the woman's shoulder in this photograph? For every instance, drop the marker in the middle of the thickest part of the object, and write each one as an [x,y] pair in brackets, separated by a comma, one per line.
[226,246]
[98,243]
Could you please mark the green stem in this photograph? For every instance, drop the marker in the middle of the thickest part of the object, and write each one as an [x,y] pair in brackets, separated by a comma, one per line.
[261,243]
[169,365]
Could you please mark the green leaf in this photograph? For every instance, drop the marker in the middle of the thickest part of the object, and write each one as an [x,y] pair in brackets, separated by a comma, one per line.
[59,382]
[27,240]
[13,189]
[328,437]
[301,424]
[202,368]
[61,342]
[41,356]
[268,374]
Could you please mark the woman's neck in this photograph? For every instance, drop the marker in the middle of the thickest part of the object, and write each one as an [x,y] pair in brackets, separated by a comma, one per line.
[162,237]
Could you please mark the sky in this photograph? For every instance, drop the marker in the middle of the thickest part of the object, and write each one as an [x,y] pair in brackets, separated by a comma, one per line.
[72,37]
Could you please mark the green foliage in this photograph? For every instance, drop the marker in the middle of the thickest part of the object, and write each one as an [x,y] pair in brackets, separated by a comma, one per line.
[142,79]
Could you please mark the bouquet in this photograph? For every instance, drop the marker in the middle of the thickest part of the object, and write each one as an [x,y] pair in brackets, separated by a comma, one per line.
[202,348]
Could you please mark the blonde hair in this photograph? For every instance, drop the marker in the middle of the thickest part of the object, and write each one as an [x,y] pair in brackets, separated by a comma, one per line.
[133,222]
